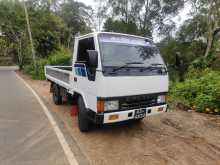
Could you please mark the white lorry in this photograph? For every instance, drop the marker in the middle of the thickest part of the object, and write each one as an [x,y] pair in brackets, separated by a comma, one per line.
[114,77]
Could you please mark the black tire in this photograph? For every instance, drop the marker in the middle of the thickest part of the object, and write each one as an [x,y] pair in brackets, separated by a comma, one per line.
[139,120]
[57,98]
[70,99]
[83,121]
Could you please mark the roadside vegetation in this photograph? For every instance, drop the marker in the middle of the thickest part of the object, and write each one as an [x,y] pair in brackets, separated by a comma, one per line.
[58,57]
[200,91]
[191,50]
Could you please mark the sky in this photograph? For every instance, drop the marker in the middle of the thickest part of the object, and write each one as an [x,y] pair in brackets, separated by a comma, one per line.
[88,2]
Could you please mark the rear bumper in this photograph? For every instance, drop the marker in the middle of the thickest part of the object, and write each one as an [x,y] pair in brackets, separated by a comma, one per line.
[106,117]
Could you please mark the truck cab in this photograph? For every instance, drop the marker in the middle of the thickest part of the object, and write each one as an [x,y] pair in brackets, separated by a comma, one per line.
[114,77]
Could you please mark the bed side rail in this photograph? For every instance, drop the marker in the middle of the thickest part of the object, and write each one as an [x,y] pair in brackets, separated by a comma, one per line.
[58,74]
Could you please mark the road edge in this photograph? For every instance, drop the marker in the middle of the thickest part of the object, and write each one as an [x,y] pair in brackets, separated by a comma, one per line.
[66,148]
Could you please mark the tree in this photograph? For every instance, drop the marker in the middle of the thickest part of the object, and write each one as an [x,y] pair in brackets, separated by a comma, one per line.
[48,31]
[3,47]
[101,14]
[193,29]
[30,34]
[147,15]
[180,52]
[77,17]
[12,25]
[210,9]
[49,5]
[120,26]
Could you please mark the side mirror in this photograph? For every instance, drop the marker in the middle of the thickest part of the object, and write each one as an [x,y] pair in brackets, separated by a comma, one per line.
[92,58]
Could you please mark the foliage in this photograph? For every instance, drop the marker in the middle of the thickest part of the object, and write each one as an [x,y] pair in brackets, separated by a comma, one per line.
[78,19]
[193,29]
[12,25]
[145,15]
[76,15]
[53,25]
[120,26]
[202,92]
[3,47]
[60,57]
[210,11]
[216,63]
[47,29]
[180,55]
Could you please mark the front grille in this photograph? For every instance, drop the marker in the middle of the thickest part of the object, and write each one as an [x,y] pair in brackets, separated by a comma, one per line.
[135,102]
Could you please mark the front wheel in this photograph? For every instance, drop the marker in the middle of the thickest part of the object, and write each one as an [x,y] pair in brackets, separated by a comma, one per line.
[139,120]
[83,120]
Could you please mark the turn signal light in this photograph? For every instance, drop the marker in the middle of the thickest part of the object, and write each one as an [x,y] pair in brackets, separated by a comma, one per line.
[113,117]
[100,106]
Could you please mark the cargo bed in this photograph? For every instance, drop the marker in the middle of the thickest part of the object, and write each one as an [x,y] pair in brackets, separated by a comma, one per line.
[59,75]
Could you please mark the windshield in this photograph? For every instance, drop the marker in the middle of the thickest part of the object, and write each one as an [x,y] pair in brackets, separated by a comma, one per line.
[117,50]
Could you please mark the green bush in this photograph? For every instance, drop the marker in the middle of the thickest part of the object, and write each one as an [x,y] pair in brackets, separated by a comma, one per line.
[61,57]
[200,63]
[204,102]
[200,92]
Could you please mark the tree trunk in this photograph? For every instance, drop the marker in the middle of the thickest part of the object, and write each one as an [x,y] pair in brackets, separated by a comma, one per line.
[126,12]
[30,34]
[213,30]
[209,44]
[20,57]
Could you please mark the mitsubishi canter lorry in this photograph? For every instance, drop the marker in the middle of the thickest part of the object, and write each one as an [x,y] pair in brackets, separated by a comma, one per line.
[114,77]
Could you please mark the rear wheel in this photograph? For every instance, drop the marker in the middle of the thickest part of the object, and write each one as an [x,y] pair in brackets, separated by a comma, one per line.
[83,120]
[57,98]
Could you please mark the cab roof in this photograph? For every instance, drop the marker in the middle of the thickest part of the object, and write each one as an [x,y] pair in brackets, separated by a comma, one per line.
[123,34]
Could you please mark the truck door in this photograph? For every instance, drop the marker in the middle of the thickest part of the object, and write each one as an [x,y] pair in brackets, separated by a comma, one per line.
[84,77]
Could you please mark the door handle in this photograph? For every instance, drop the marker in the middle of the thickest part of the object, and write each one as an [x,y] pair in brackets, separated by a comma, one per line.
[75,79]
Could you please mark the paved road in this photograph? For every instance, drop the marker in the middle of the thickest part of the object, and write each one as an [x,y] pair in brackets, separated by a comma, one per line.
[26,136]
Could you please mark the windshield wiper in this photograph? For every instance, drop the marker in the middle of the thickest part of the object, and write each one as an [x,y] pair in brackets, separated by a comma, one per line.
[154,66]
[125,65]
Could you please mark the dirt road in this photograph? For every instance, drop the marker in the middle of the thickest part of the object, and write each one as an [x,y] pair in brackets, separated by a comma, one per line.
[174,138]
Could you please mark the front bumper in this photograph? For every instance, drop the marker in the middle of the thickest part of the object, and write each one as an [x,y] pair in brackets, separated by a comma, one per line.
[125,114]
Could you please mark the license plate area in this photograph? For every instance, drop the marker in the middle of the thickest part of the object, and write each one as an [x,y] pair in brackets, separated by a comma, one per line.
[140,113]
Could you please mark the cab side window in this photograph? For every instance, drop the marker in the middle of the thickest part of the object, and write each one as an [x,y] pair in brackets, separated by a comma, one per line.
[84,45]
[82,56]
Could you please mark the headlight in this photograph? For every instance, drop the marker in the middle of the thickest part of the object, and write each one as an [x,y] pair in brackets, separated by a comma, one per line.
[111,105]
[161,99]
